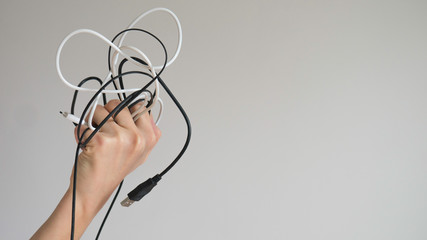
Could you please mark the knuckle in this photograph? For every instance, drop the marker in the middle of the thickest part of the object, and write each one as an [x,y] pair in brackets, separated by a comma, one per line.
[158,133]
[122,139]
[151,140]
[95,143]
[134,142]
[101,141]
[137,141]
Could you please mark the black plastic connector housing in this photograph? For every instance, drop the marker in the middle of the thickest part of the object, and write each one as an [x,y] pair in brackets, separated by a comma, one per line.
[144,188]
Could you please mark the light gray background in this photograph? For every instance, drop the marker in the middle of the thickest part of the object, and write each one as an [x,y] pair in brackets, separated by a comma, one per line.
[309,118]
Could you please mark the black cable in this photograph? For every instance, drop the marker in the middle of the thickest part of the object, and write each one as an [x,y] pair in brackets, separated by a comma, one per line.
[109,210]
[73,102]
[187,121]
[123,103]
[73,204]
[127,101]
[144,188]
[181,109]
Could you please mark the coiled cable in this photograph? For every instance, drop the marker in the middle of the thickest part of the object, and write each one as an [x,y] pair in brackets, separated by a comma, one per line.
[143,94]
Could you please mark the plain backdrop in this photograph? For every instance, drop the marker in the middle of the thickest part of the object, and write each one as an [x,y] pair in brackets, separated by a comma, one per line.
[309,118]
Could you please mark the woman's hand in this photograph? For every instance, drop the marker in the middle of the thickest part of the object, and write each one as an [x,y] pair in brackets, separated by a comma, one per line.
[117,149]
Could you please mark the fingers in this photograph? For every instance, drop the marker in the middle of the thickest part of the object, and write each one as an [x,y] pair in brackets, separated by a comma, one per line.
[142,119]
[157,131]
[146,124]
[100,114]
[123,118]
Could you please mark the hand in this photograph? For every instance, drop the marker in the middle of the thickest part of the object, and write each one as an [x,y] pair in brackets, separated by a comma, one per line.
[117,149]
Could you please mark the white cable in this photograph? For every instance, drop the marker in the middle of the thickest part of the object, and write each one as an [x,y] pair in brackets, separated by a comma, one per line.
[61,76]
[116,47]
[160,111]
[178,25]
[118,51]
[136,114]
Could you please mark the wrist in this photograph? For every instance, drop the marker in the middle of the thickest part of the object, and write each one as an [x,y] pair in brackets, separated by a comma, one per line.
[90,199]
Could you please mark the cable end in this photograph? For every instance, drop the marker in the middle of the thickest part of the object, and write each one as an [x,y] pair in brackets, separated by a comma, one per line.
[127,202]
[141,190]
[65,114]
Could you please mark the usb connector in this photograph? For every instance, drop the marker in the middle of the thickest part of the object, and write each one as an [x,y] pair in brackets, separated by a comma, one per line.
[127,202]
[140,191]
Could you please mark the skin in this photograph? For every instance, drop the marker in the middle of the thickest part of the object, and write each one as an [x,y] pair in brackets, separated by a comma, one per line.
[116,150]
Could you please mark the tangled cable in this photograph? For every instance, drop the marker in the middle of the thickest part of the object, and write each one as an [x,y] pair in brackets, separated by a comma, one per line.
[116,77]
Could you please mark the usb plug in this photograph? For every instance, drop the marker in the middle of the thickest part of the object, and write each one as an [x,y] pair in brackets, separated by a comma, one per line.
[141,190]
[127,202]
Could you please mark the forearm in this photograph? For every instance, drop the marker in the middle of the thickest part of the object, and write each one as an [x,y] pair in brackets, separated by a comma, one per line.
[58,225]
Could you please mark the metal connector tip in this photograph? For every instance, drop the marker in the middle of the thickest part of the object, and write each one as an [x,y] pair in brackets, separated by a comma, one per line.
[127,202]
[65,114]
